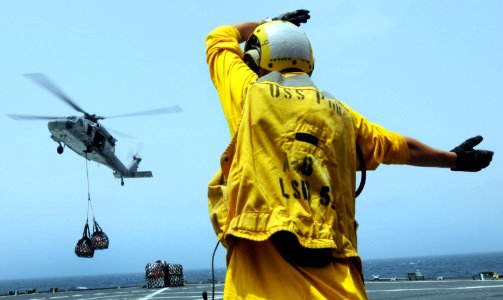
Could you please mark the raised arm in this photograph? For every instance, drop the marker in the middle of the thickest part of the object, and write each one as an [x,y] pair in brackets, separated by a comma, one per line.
[245,29]
[296,17]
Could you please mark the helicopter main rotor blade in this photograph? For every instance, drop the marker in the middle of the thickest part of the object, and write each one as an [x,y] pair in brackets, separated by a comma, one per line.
[28,117]
[119,133]
[44,82]
[164,110]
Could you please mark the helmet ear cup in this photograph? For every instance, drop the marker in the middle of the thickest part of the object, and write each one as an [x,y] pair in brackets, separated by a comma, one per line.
[252,60]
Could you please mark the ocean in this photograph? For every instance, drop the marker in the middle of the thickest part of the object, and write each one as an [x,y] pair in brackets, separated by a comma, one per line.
[463,265]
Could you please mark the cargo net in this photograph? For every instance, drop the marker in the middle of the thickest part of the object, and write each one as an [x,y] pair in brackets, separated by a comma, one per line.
[99,239]
[84,247]
[161,274]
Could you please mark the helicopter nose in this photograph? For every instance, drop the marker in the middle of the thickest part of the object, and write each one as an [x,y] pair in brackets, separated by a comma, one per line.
[59,125]
[52,125]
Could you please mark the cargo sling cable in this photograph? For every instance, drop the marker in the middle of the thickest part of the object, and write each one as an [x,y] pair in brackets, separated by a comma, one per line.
[89,204]
[98,240]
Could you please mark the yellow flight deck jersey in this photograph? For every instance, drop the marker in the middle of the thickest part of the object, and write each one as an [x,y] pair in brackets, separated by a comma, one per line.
[291,166]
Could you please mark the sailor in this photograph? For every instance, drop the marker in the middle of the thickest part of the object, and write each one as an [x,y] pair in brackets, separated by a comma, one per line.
[283,201]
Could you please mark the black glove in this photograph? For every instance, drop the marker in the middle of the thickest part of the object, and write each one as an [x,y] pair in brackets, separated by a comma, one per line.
[469,159]
[295,17]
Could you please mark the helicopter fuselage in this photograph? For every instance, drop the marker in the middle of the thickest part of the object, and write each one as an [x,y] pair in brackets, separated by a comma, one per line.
[85,136]
[88,139]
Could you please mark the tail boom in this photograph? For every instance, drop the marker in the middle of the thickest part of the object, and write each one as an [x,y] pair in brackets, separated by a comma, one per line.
[137,174]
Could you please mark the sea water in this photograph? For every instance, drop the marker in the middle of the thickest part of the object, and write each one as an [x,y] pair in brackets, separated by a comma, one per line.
[465,265]
[430,266]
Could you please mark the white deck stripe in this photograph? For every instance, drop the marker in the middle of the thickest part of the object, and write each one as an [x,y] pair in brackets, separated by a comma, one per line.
[436,289]
[155,293]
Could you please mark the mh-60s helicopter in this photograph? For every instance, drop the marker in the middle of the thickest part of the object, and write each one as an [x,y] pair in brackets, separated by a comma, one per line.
[86,136]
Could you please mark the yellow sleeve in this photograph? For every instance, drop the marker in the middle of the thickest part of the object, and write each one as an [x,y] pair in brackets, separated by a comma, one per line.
[230,75]
[378,144]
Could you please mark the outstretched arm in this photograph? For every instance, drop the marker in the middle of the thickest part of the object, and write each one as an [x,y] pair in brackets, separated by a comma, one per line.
[461,158]
[425,156]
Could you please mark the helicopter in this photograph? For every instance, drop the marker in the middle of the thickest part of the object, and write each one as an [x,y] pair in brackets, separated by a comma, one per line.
[86,136]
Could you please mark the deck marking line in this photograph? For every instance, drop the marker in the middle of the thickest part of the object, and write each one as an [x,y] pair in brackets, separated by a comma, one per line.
[155,293]
[433,289]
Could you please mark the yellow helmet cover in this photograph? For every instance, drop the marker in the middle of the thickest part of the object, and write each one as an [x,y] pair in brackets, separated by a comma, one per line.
[281,46]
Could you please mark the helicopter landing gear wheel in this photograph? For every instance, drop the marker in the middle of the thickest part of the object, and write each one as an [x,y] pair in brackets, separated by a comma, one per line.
[122,181]
[60,149]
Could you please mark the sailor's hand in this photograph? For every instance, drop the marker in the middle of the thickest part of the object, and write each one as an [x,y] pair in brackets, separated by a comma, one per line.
[469,159]
[296,17]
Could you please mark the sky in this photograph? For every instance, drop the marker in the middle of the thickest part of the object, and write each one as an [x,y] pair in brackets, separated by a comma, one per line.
[432,70]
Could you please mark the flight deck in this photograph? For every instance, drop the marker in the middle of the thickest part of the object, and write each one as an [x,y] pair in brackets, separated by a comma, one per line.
[421,289]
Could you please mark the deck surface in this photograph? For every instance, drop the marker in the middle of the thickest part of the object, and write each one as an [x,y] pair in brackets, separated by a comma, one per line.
[424,289]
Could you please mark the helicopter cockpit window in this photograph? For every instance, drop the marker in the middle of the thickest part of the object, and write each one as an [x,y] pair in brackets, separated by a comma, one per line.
[111,140]
[99,140]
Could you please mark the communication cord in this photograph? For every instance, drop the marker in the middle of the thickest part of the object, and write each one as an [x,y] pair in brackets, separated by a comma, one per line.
[363,169]
[205,295]
[213,271]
